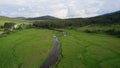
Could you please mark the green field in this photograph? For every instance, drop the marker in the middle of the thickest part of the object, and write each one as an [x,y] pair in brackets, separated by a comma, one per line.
[26,48]
[86,50]
[30,48]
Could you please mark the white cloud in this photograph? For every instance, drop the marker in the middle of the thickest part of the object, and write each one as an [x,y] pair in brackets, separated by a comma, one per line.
[61,13]
[58,8]
[21,9]
[86,8]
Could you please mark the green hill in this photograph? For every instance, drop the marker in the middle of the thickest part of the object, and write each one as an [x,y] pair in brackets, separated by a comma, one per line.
[4,19]
[43,18]
[106,19]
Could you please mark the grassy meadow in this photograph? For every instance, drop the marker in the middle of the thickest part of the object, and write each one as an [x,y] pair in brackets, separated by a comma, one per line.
[110,30]
[86,50]
[31,47]
[25,48]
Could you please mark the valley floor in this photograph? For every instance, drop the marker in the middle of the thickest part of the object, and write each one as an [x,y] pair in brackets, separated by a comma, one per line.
[30,48]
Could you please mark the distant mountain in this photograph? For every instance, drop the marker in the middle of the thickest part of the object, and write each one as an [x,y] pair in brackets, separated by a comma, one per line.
[110,18]
[110,14]
[20,17]
[43,18]
[105,19]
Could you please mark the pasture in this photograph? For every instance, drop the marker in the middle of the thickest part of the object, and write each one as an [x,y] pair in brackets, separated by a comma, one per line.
[86,50]
[30,48]
[25,48]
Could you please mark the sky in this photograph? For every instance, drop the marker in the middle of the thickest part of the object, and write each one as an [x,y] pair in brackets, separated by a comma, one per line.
[57,8]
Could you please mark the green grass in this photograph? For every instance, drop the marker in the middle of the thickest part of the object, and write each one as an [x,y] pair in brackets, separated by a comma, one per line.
[98,28]
[111,29]
[26,48]
[86,50]
[30,48]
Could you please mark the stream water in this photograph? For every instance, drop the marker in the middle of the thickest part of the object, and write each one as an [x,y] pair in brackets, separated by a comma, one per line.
[54,54]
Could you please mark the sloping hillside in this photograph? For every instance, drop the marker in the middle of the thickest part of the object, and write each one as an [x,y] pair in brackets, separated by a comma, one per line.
[4,19]
[106,19]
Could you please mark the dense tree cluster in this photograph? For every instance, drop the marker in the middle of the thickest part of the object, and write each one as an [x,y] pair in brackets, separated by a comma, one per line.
[8,26]
[66,23]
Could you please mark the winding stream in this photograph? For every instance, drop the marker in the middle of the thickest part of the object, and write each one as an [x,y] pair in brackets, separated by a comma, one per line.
[54,54]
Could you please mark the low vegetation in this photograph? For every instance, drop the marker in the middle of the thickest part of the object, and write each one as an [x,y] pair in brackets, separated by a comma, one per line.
[85,50]
[111,30]
[25,49]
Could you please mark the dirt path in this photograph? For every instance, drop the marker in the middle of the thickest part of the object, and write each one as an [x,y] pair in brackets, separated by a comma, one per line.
[54,54]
